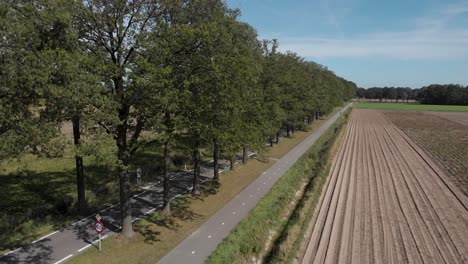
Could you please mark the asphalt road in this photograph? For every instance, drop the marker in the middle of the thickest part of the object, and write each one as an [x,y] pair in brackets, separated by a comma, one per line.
[59,246]
[201,243]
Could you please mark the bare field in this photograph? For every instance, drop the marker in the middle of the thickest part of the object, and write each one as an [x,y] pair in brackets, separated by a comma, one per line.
[457,117]
[386,201]
[445,141]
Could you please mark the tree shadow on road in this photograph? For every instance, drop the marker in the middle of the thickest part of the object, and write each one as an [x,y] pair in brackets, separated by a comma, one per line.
[39,252]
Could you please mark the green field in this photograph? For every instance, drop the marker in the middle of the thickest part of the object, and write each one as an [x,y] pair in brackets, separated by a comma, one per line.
[412,106]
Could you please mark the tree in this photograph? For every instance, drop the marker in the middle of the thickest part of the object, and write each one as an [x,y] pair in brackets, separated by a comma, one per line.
[113,32]
[22,128]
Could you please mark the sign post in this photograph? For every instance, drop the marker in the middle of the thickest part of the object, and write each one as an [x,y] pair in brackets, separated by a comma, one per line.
[99,227]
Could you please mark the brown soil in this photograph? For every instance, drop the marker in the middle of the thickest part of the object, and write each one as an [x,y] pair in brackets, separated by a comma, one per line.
[445,141]
[387,202]
[457,117]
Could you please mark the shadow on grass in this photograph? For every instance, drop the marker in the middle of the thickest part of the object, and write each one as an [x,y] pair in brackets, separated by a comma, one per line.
[32,201]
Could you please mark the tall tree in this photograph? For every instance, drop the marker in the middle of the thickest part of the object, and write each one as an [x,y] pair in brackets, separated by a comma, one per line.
[112,31]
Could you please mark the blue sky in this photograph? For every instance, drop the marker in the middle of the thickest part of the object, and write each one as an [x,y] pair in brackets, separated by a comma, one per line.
[371,42]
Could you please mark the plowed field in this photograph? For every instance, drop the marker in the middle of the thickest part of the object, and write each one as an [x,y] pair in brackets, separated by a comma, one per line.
[386,201]
[457,117]
[445,141]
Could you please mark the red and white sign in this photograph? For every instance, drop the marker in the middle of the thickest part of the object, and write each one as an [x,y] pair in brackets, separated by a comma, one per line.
[99,227]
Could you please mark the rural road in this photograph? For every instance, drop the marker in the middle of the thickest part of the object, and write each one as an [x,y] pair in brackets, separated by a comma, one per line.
[386,201]
[201,243]
[70,241]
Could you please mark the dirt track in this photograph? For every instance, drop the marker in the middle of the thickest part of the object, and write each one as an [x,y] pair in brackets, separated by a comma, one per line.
[386,202]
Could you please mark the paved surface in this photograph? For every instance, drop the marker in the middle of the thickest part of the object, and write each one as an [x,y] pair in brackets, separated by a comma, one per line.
[200,244]
[61,245]
[387,202]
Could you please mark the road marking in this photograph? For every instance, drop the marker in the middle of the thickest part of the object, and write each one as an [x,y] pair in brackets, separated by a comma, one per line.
[65,258]
[45,236]
[85,247]
[8,253]
[150,211]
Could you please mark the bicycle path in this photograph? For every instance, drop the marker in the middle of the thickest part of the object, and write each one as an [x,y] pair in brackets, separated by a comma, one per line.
[201,243]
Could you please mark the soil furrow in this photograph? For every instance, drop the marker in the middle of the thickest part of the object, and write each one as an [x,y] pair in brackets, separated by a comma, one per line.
[317,237]
[387,202]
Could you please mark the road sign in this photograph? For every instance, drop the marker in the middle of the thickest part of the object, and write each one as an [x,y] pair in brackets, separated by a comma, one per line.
[98,217]
[99,227]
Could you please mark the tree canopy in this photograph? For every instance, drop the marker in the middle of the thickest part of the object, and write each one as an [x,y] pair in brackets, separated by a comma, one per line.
[187,71]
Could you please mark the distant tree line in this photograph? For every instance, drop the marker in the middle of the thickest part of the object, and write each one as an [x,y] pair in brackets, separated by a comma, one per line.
[136,72]
[437,94]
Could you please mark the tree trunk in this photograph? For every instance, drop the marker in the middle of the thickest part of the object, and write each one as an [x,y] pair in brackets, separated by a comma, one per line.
[316,115]
[80,179]
[196,168]
[231,163]
[277,137]
[123,156]
[287,131]
[215,160]
[271,141]
[167,160]
[244,155]
[292,129]
[125,202]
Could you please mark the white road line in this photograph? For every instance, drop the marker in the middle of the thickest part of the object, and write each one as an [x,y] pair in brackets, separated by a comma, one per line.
[65,258]
[37,240]
[85,247]
[8,253]
[150,211]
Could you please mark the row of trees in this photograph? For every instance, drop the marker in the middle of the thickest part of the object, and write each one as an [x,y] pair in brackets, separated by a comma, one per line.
[438,94]
[384,93]
[182,70]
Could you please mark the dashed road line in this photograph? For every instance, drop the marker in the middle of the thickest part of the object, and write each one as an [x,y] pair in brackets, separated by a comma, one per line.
[37,240]
[85,247]
[65,258]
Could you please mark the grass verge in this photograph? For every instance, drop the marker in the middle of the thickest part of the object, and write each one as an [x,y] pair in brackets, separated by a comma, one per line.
[158,234]
[278,212]
[412,106]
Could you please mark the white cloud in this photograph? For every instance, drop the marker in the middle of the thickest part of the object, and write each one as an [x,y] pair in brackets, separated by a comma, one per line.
[431,38]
